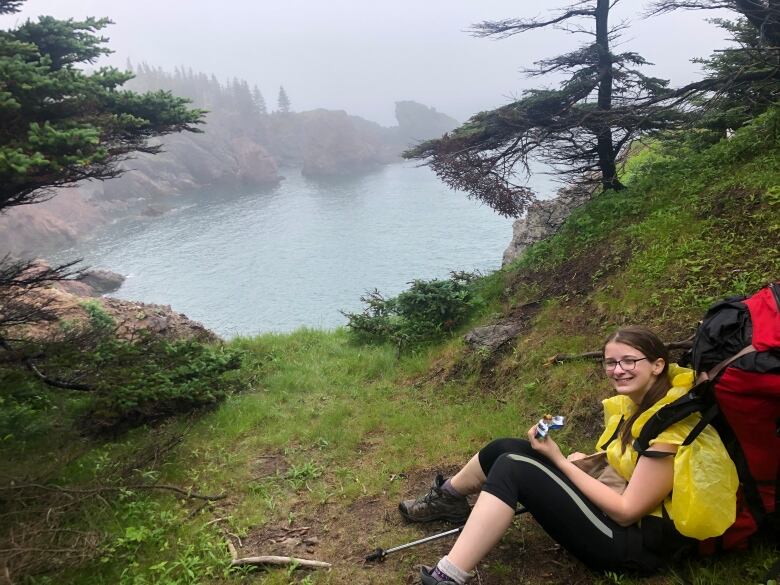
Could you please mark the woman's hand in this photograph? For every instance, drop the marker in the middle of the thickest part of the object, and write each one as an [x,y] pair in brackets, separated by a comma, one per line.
[545,446]
[576,456]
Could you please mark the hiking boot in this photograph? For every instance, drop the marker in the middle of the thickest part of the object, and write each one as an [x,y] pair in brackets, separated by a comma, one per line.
[427,579]
[436,505]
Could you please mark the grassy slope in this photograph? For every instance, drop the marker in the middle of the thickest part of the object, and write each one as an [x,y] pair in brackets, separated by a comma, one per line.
[328,435]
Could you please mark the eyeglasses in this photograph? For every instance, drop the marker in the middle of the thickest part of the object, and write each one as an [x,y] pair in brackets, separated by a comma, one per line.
[627,364]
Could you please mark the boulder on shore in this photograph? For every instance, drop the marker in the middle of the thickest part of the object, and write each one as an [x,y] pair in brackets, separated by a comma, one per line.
[101,280]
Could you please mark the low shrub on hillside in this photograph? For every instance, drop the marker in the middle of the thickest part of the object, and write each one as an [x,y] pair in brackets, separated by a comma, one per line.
[140,382]
[106,383]
[426,311]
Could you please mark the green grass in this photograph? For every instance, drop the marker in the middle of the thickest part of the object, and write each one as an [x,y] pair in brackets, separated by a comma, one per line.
[328,434]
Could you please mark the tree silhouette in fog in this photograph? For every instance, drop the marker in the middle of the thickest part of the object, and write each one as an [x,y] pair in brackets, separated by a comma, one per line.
[605,102]
[283,101]
[259,101]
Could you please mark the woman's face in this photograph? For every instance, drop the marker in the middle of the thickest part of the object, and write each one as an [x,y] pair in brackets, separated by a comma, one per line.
[635,382]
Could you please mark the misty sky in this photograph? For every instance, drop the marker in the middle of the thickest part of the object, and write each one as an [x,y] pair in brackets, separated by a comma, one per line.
[362,55]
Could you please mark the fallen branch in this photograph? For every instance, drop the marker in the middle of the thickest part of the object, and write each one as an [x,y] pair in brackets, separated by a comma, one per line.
[97,490]
[279,561]
[559,358]
[27,361]
[216,521]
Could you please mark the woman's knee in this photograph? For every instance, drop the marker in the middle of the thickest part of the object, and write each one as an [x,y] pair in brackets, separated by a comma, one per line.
[505,479]
[493,450]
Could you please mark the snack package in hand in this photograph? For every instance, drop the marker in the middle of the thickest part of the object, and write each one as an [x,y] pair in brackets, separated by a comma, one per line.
[548,423]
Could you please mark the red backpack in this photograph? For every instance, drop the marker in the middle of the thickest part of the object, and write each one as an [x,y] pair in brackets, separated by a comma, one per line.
[736,352]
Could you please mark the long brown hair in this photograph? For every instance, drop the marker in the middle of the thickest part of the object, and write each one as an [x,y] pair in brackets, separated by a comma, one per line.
[652,348]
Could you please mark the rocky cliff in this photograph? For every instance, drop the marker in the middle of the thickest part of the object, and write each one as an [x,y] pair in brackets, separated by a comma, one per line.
[188,162]
[544,218]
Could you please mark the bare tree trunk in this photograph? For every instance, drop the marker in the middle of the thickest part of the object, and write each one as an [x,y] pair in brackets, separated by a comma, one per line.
[605,146]
[764,16]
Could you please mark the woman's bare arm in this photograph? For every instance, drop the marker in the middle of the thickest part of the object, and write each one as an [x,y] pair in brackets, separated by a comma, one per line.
[650,483]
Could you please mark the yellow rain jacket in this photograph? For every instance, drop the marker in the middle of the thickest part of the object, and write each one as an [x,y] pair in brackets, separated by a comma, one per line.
[703,501]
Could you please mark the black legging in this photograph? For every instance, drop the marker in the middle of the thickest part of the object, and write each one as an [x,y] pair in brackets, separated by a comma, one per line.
[516,473]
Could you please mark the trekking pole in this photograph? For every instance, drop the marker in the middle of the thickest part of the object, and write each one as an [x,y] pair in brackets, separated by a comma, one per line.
[380,553]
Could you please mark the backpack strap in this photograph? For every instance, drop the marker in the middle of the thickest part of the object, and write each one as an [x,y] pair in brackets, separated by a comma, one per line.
[673,412]
[605,444]
[685,406]
[713,373]
[706,418]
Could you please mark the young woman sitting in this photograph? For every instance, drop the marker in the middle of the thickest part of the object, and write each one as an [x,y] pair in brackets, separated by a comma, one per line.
[627,528]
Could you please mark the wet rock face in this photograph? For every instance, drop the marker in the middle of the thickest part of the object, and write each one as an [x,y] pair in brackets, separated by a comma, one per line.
[102,281]
[133,319]
[544,218]
[57,222]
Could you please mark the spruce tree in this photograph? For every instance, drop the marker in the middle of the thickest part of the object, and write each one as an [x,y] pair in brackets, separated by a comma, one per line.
[62,124]
[259,101]
[579,129]
[283,101]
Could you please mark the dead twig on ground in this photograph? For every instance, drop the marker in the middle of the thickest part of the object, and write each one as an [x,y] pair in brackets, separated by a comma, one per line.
[216,521]
[100,489]
[280,561]
[237,537]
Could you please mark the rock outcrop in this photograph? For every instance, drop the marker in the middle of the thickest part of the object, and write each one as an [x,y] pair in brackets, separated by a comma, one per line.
[28,229]
[190,162]
[492,337]
[330,143]
[417,122]
[64,301]
[544,218]
[102,281]
[133,319]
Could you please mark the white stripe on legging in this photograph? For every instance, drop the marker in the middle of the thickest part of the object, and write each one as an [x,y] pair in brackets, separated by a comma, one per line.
[572,494]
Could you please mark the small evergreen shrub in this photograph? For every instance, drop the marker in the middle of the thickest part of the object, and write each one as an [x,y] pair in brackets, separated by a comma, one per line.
[99,320]
[426,311]
[141,382]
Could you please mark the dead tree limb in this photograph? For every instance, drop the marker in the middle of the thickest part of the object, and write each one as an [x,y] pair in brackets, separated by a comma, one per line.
[279,561]
[27,361]
[98,490]
[559,358]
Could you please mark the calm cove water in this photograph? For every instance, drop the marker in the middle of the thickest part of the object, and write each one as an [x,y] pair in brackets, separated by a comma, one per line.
[294,255]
